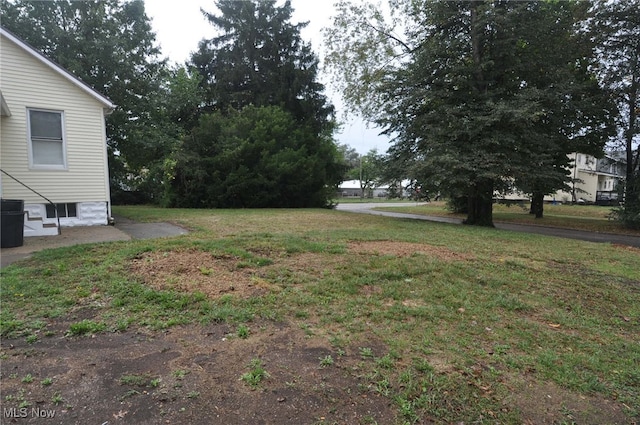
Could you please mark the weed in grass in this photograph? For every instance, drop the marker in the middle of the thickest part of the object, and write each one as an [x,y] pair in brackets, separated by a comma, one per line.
[301,314]
[383,387]
[407,410]
[385,362]
[326,361]
[256,375]
[134,380]
[366,352]
[154,383]
[46,382]
[31,339]
[86,327]
[406,376]
[24,404]
[205,271]
[27,379]
[308,330]
[180,374]
[422,365]
[122,324]
[193,394]
[242,332]
[56,399]
[368,420]
[9,325]
[129,394]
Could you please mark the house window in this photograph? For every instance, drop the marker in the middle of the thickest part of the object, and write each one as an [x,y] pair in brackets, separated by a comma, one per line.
[46,139]
[63,210]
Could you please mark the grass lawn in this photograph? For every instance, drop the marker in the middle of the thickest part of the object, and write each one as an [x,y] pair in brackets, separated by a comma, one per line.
[472,325]
[581,217]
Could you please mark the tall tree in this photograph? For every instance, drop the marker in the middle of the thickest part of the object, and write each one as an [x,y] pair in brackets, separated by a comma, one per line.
[576,112]
[351,159]
[615,26]
[264,138]
[460,93]
[260,59]
[368,170]
[109,45]
[260,82]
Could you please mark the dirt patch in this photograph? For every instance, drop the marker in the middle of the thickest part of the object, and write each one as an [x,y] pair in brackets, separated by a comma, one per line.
[198,271]
[406,249]
[626,248]
[546,403]
[217,275]
[188,375]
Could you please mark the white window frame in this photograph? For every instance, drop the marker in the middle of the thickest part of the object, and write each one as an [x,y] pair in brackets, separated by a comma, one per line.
[35,166]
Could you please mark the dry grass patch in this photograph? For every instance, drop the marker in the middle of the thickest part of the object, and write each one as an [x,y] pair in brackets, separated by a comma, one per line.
[406,249]
[197,271]
[215,275]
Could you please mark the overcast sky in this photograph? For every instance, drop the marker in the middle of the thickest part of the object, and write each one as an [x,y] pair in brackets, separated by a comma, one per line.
[179,26]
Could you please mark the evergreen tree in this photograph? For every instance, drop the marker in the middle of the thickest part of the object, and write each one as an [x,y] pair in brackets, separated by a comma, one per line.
[264,138]
[260,59]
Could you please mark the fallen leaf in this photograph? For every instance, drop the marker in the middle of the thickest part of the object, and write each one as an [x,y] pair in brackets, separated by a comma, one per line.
[120,414]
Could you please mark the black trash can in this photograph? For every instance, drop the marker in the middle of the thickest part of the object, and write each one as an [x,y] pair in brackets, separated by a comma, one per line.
[11,223]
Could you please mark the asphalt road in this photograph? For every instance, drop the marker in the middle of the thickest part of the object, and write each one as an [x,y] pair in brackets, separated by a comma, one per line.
[368,208]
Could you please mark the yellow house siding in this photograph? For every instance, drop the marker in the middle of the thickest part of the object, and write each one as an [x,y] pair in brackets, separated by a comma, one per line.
[588,185]
[26,83]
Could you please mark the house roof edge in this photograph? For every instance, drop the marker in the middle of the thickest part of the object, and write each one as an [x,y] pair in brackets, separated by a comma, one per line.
[58,69]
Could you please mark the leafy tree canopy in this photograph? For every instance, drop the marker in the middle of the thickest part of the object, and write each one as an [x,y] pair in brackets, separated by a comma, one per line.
[475,93]
[615,27]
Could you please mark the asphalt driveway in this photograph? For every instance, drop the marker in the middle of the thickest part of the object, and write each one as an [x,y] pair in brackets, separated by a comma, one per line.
[123,230]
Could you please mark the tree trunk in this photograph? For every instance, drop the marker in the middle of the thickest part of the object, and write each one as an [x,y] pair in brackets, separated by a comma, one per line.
[537,204]
[630,131]
[480,205]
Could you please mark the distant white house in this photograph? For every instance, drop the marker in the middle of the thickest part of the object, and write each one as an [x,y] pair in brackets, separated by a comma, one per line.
[52,139]
[595,180]
[353,188]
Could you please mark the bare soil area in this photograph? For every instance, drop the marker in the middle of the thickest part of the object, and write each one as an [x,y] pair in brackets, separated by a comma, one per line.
[188,375]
